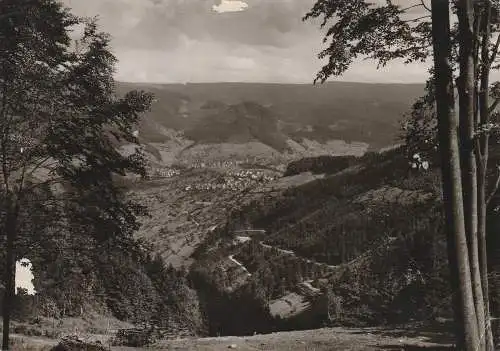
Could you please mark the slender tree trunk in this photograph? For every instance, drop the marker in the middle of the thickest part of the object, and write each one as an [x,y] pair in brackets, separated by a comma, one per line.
[10,275]
[467,116]
[9,293]
[467,333]
[482,207]
[482,160]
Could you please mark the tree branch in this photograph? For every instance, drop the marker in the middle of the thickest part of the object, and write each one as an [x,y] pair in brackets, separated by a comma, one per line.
[495,50]
[425,6]
[39,164]
[415,5]
[493,105]
[495,187]
[52,181]
[416,19]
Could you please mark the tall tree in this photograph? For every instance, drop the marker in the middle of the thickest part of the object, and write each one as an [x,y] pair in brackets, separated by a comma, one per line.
[467,96]
[451,175]
[384,31]
[58,115]
[484,112]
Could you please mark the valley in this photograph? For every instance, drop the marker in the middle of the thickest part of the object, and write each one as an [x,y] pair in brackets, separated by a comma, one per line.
[271,227]
[208,219]
[160,190]
[214,147]
[274,228]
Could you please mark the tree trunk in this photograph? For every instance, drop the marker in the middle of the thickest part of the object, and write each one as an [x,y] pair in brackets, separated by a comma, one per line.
[482,207]
[10,275]
[466,91]
[467,331]
[482,161]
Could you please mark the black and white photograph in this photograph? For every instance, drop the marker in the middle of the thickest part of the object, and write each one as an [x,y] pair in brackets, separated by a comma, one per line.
[273,175]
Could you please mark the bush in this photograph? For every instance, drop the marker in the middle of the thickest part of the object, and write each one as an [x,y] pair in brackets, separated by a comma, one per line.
[27,330]
[134,337]
[72,343]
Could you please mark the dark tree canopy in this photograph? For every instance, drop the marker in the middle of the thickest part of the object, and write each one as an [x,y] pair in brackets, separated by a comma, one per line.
[59,119]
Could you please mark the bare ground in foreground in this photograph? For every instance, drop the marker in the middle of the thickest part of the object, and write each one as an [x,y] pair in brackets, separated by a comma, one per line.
[321,340]
[331,339]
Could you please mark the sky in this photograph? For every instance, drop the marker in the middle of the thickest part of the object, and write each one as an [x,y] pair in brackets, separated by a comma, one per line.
[179,41]
[24,276]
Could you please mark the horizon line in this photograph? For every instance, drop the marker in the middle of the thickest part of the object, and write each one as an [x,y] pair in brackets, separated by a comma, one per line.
[270,83]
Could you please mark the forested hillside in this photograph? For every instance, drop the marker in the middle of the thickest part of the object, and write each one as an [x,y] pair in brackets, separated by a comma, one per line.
[337,110]
[122,279]
[368,240]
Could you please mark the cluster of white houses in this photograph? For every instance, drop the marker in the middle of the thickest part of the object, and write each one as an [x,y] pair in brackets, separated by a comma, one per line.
[231,183]
[163,172]
[251,174]
[212,164]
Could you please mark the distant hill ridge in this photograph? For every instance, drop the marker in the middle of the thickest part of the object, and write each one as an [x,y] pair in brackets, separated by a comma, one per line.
[240,123]
[296,119]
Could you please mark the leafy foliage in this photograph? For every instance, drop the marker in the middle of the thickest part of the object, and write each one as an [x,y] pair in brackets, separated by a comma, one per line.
[380,32]
[419,128]
[59,115]
[74,275]
[51,92]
